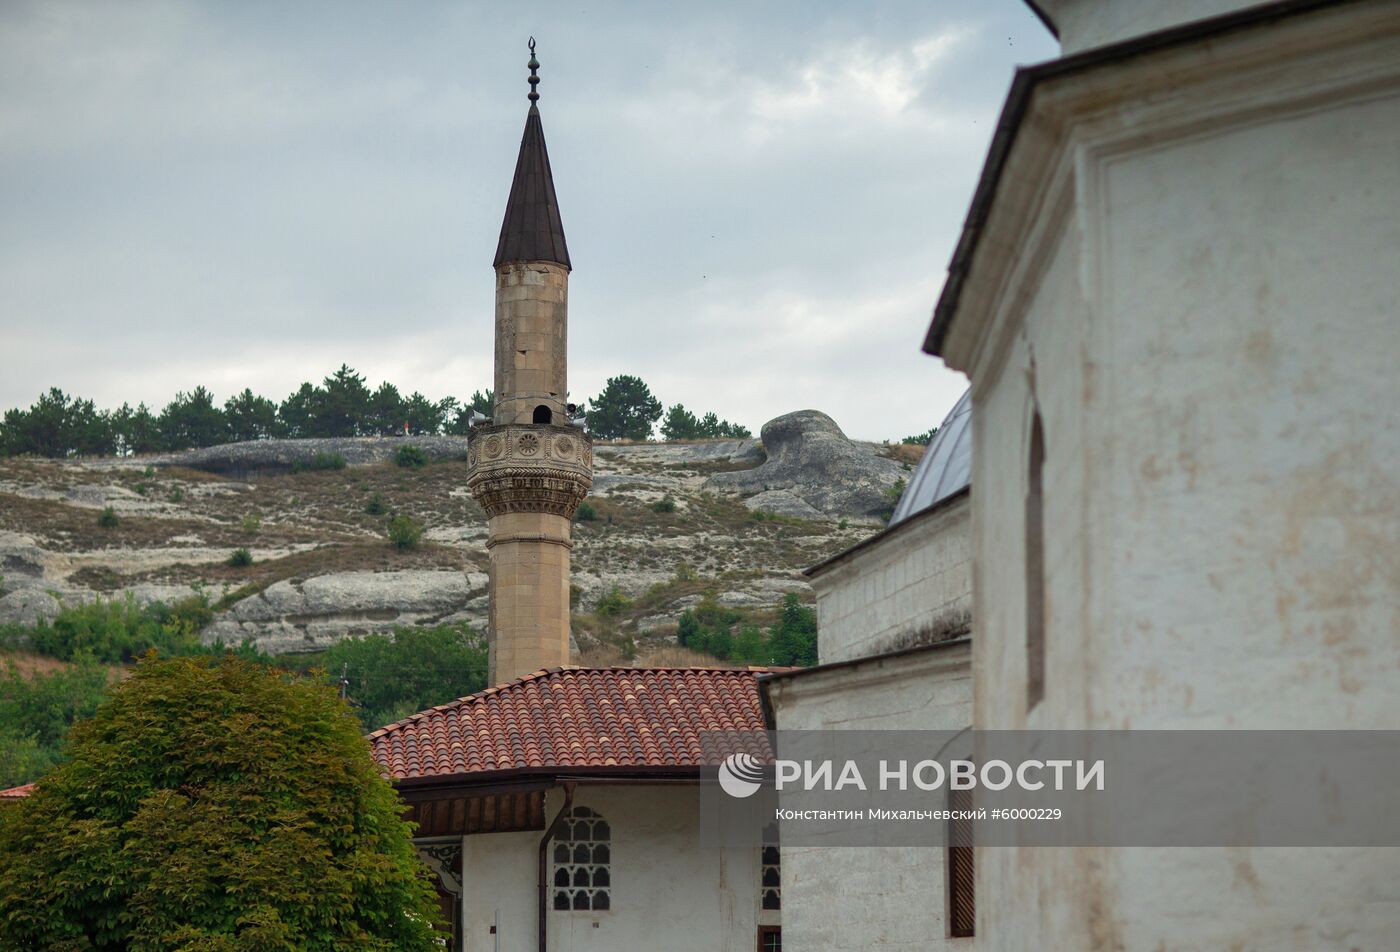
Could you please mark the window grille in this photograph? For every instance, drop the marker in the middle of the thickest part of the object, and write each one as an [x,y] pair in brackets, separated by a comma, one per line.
[582,862]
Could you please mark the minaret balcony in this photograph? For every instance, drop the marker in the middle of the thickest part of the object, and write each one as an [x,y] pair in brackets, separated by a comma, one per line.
[522,467]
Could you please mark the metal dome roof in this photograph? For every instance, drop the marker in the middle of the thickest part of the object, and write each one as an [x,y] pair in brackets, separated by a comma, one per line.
[947,464]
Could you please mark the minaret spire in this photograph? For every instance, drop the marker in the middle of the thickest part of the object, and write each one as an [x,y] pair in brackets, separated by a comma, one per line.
[532,229]
[531,465]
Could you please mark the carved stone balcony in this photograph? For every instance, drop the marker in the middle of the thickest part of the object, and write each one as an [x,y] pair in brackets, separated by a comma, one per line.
[521,467]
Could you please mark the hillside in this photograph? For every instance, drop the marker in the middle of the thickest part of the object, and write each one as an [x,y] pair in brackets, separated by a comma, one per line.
[671,523]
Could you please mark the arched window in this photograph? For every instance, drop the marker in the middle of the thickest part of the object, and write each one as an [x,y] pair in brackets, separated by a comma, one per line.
[543,414]
[1035,568]
[582,862]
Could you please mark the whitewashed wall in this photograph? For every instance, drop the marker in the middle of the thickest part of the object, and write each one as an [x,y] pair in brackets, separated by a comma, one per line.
[1197,284]
[916,580]
[667,891]
[877,899]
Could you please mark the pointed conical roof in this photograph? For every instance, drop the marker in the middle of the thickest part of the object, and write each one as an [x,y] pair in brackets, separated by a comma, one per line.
[532,230]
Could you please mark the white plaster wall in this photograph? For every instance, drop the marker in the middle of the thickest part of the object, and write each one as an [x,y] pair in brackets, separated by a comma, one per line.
[1212,343]
[667,891]
[883,900]
[916,579]
[1088,23]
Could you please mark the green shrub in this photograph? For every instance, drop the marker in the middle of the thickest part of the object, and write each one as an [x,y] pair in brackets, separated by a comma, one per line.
[410,457]
[388,677]
[252,523]
[320,461]
[792,640]
[177,494]
[375,506]
[613,603]
[586,513]
[241,558]
[214,807]
[405,531]
[112,630]
[664,504]
[142,489]
[107,518]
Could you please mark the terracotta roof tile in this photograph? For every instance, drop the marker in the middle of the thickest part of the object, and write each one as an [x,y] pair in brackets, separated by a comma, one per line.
[17,793]
[579,718]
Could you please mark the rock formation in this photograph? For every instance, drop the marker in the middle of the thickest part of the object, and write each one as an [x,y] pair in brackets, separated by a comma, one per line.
[814,463]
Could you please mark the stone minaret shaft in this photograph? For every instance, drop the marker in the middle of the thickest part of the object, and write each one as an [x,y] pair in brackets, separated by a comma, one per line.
[530,467]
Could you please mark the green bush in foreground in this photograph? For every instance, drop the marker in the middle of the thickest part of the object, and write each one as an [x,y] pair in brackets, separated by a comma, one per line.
[214,807]
[241,558]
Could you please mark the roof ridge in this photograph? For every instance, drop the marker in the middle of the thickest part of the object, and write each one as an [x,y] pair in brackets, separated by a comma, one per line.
[486,693]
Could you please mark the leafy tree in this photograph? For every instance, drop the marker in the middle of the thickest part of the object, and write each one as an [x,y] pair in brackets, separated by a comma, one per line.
[135,431]
[483,402]
[389,677]
[423,415]
[793,640]
[191,420]
[385,410]
[712,427]
[922,439]
[250,417]
[681,424]
[36,712]
[296,414]
[624,410]
[459,417]
[709,628]
[58,425]
[41,429]
[343,408]
[214,806]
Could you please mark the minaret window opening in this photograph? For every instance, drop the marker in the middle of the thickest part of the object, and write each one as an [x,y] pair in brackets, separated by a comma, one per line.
[1035,568]
[543,414]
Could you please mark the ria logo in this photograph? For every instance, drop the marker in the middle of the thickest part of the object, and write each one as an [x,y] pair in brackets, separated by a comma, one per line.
[740,775]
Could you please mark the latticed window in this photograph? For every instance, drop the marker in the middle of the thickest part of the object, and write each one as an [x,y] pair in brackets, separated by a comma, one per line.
[582,861]
[770,871]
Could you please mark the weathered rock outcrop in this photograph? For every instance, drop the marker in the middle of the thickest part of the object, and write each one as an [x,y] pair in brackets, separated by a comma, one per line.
[274,455]
[810,458]
[298,616]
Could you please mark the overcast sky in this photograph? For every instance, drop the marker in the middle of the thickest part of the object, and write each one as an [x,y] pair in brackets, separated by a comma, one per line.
[760,199]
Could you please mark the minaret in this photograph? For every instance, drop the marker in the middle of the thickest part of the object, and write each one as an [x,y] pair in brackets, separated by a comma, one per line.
[530,466]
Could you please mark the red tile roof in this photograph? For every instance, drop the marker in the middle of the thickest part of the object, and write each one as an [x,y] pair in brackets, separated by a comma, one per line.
[17,793]
[578,719]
